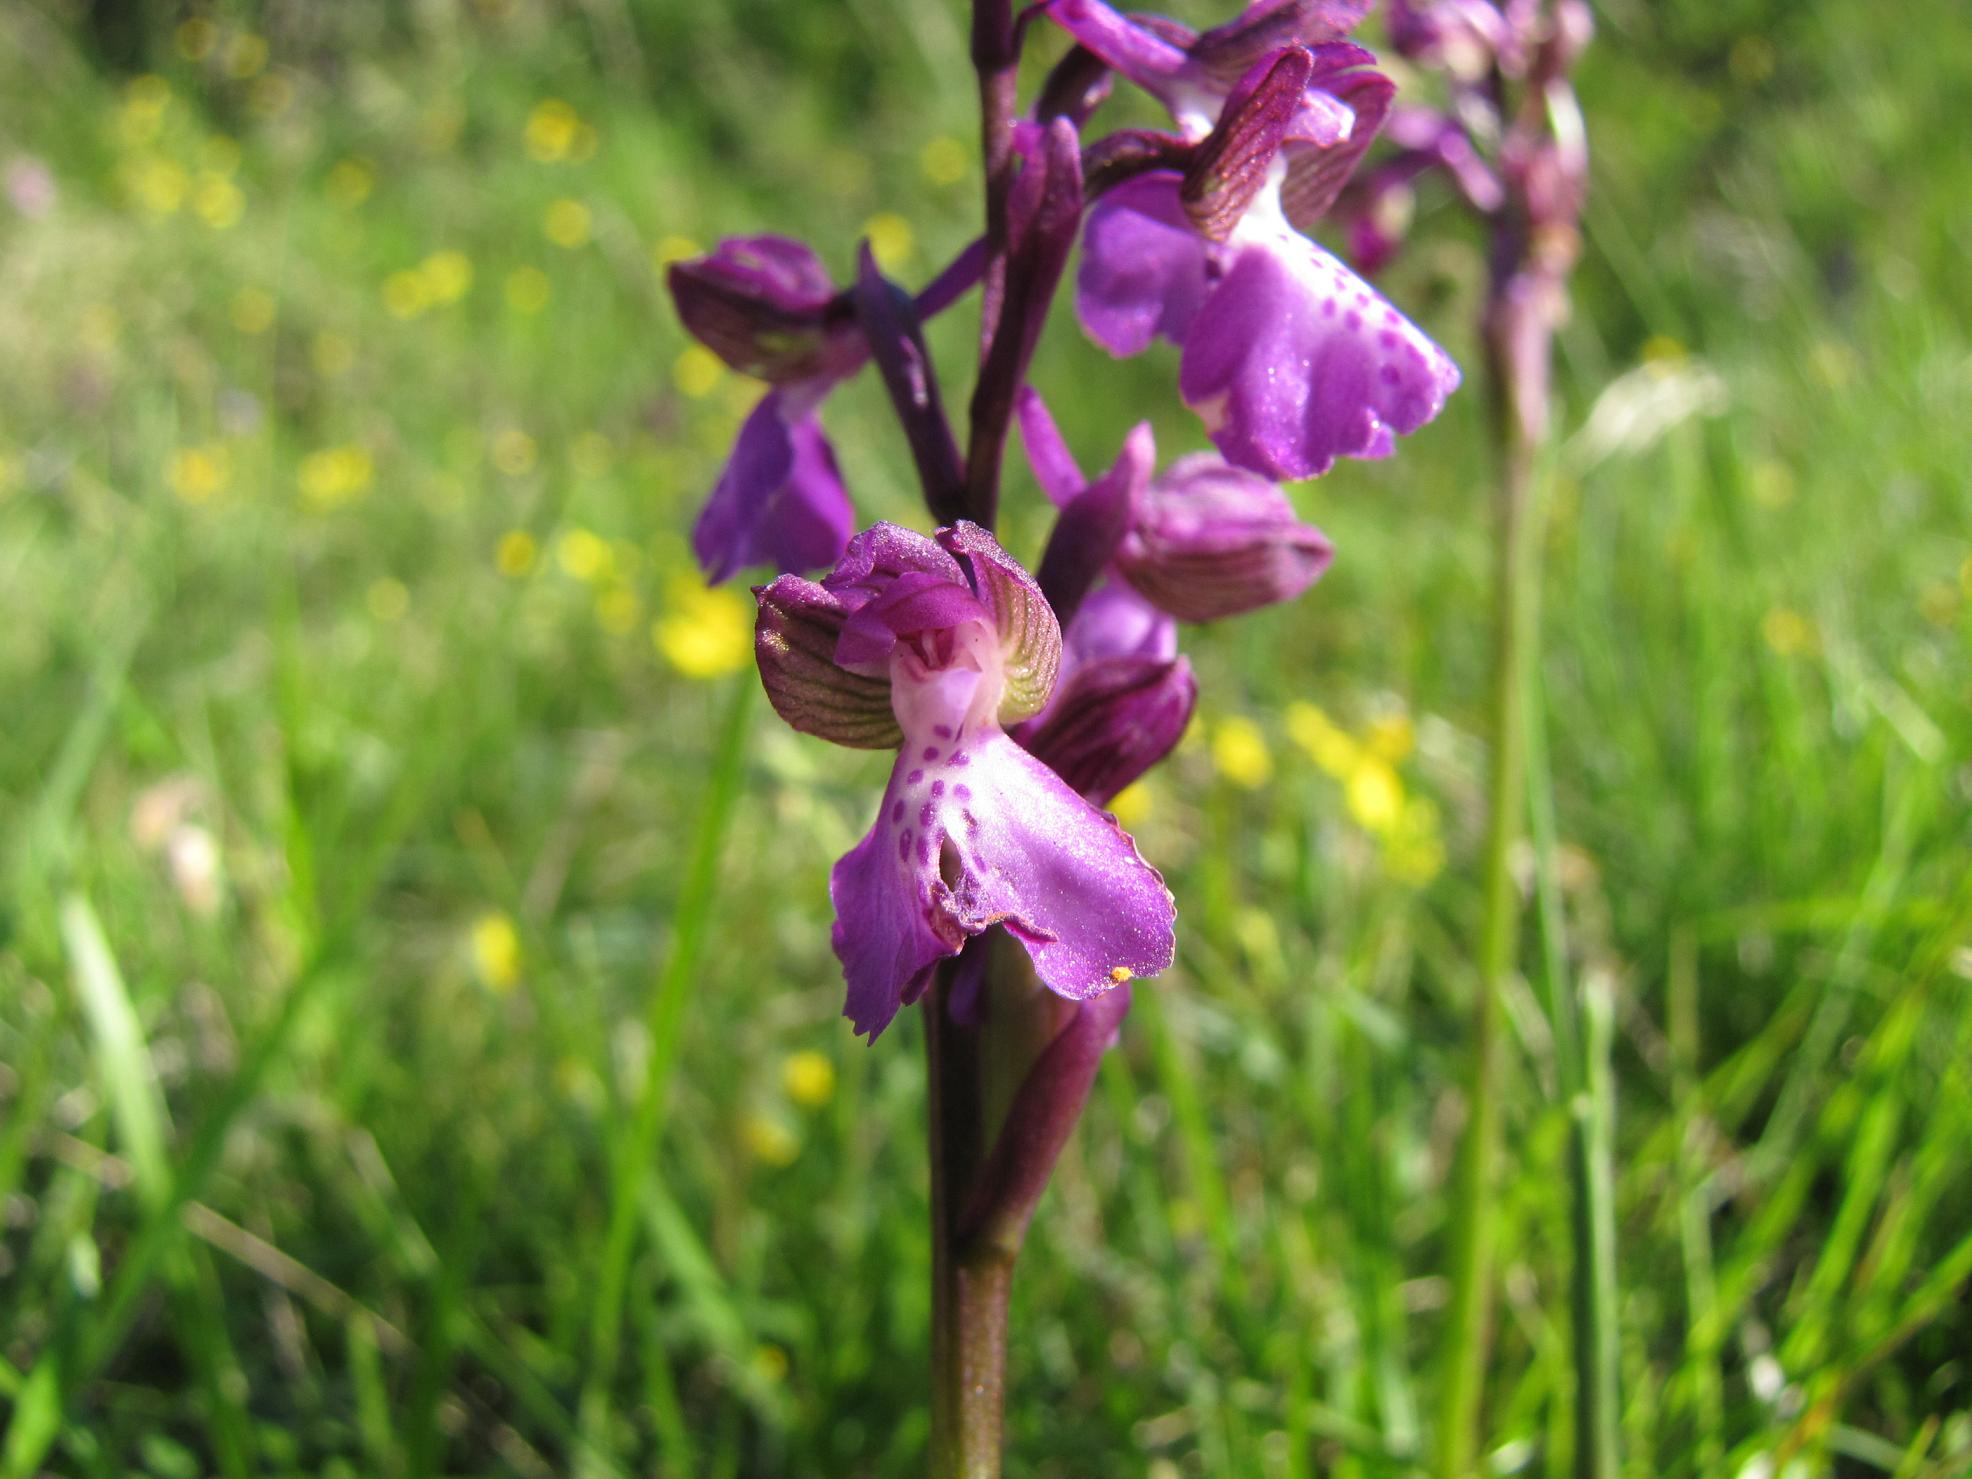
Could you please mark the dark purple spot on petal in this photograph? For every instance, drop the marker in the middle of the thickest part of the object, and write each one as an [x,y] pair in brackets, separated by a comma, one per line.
[927,814]
[1328,308]
[961,758]
[1387,339]
[937,789]
[943,731]
[931,752]
[904,844]
[971,821]
[1353,321]
[897,812]
[913,778]
[962,791]
[1389,375]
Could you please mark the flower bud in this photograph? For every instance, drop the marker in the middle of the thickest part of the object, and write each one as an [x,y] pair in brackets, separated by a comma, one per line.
[761,303]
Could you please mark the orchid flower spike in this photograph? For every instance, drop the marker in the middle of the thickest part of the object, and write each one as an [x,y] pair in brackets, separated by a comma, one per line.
[934,646]
[1289,358]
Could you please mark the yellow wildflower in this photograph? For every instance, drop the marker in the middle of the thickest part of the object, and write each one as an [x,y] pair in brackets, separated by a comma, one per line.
[406,294]
[891,240]
[334,476]
[447,275]
[1132,805]
[673,248]
[551,130]
[514,451]
[253,310]
[158,184]
[516,553]
[528,290]
[944,160]
[583,554]
[698,371]
[350,182]
[496,958]
[769,1363]
[1240,752]
[217,201]
[1391,737]
[1789,633]
[705,632]
[1374,795]
[567,223]
[1414,850]
[1321,739]
[199,474]
[809,1078]
[768,1140]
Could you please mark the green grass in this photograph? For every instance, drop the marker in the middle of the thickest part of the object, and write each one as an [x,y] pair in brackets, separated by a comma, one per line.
[295,1180]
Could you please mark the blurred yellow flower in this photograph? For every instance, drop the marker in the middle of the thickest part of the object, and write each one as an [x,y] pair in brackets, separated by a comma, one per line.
[705,632]
[567,223]
[252,310]
[769,1363]
[583,554]
[495,947]
[406,293]
[334,476]
[1374,795]
[1321,739]
[809,1078]
[199,474]
[157,184]
[333,354]
[1239,751]
[673,248]
[1789,633]
[246,54]
[387,599]
[516,553]
[769,1141]
[217,201]
[944,160]
[350,182]
[147,95]
[1662,349]
[528,290]
[514,451]
[447,275]
[1391,737]
[617,610]
[1133,804]
[697,371]
[195,37]
[891,240]
[551,130]
[1414,850]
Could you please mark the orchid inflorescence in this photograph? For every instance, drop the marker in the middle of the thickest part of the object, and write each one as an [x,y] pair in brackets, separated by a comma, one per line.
[1020,703]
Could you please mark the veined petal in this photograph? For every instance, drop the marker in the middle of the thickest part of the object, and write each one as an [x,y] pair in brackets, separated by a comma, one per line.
[881,553]
[760,303]
[1317,169]
[1029,634]
[1295,361]
[780,500]
[1112,720]
[1226,51]
[985,834]
[1144,267]
[794,641]
[1211,540]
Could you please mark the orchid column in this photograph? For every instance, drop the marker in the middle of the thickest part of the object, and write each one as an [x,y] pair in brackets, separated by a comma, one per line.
[992,888]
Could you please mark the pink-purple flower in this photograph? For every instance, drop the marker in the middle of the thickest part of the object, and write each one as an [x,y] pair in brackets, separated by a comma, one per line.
[934,646]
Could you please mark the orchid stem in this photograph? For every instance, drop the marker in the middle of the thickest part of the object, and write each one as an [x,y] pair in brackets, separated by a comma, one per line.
[970,1278]
[1475,1207]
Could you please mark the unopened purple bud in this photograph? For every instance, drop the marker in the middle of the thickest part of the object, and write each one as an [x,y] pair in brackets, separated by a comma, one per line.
[1227,52]
[1210,540]
[761,303]
[1113,719]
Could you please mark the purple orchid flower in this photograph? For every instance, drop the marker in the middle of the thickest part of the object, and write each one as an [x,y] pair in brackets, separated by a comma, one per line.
[766,306]
[1289,358]
[1202,541]
[934,646]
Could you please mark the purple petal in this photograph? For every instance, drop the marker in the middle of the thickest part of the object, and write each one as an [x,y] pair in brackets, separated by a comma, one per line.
[1212,540]
[1296,361]
[1087,531]
[880,554]
[1231,165]
[1144,267]
[780,500]
[1054,465]
[1113,720]
[1020,849]
[1150,61]
[1117,622]
[1029,634]
[1317,171]
[760,303]
[794,641]
[1226,51]
[917,609]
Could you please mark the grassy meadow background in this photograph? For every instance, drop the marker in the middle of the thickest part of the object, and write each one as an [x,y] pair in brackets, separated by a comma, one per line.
[420,1048]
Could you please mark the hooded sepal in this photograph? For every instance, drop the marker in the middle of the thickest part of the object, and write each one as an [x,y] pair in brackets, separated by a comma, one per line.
[795,637]
[1094,521]
[1028,631]
[1231,165]
[1113,719]
[1210,540]
[761,303]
